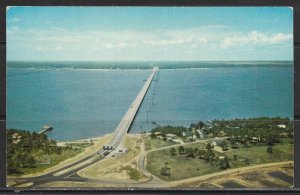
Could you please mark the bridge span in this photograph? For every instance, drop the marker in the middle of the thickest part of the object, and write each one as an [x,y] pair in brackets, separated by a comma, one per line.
[128,118]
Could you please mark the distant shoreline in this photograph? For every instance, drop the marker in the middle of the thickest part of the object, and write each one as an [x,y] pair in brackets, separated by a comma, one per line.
[145,65]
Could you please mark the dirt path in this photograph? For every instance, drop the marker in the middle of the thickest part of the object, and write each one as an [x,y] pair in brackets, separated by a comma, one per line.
[228,173]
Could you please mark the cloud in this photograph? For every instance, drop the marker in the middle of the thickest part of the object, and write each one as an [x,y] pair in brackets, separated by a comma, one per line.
[254,38]
[280,37]
[39,48]
[189,43]
[58,48]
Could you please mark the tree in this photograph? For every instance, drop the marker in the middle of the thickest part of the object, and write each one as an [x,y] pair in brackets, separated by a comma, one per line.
[224,145]
[235,145]
[165,171]
[189,152]
[181,150]
[201,154]
[197,134]
[247,161]
[13,167]
[200,124]
[235,157]
[209,146]
[173,151]
[193,126]
[152,136]
[224,163]
[209,155]
[270,149]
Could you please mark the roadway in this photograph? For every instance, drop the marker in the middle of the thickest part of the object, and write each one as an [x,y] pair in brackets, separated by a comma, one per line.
[128,118]
[69,172]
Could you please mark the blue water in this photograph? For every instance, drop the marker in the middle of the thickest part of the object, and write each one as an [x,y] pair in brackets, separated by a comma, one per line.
[86,103]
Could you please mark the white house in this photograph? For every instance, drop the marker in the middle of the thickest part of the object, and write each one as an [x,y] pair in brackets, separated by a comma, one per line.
[281,126]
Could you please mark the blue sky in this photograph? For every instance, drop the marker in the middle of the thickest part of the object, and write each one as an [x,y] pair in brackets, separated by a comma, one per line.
[149,33]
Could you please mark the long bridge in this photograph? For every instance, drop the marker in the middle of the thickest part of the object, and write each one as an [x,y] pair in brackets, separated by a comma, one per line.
[68,172]
[128,118]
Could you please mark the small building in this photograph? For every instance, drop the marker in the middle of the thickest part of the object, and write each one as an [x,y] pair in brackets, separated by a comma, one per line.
[222,133]
[281,126]
[178,141]
[170,136]
[183,134]
[221,157]
[15,141]
[15,135]
[16,138]
[123,150]
[254,140]
[157,133]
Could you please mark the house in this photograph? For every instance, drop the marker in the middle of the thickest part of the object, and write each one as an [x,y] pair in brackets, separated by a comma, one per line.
[178,141]
[170,136]
[254,140]
[222,133]
[183,134]
[221,157]
[123,150]
[281,126]
[15,141]
[15,135]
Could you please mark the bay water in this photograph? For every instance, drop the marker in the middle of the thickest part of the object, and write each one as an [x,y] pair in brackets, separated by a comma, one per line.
[86,103]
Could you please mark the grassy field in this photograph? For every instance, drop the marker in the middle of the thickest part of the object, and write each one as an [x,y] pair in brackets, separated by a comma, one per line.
[182,167]
[259,155]
[156,143]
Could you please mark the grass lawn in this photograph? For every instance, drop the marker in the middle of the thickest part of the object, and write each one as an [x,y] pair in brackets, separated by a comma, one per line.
[182,167]
[259,155]
[156,143]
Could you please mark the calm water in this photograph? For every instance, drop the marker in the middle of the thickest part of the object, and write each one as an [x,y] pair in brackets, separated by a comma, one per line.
[86,103]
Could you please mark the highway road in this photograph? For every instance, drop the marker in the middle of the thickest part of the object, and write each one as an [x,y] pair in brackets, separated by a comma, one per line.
[69,172]
[128,118]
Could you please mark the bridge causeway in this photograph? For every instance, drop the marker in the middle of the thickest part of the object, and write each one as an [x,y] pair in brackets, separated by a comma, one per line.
[128,118]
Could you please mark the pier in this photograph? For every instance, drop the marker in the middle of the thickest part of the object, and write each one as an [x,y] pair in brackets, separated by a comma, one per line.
[45,129]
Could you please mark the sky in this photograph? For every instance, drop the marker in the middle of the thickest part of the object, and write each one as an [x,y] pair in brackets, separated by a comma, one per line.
[149,33]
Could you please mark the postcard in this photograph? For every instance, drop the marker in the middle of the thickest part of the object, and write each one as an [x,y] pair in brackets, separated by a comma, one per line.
[150,97]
